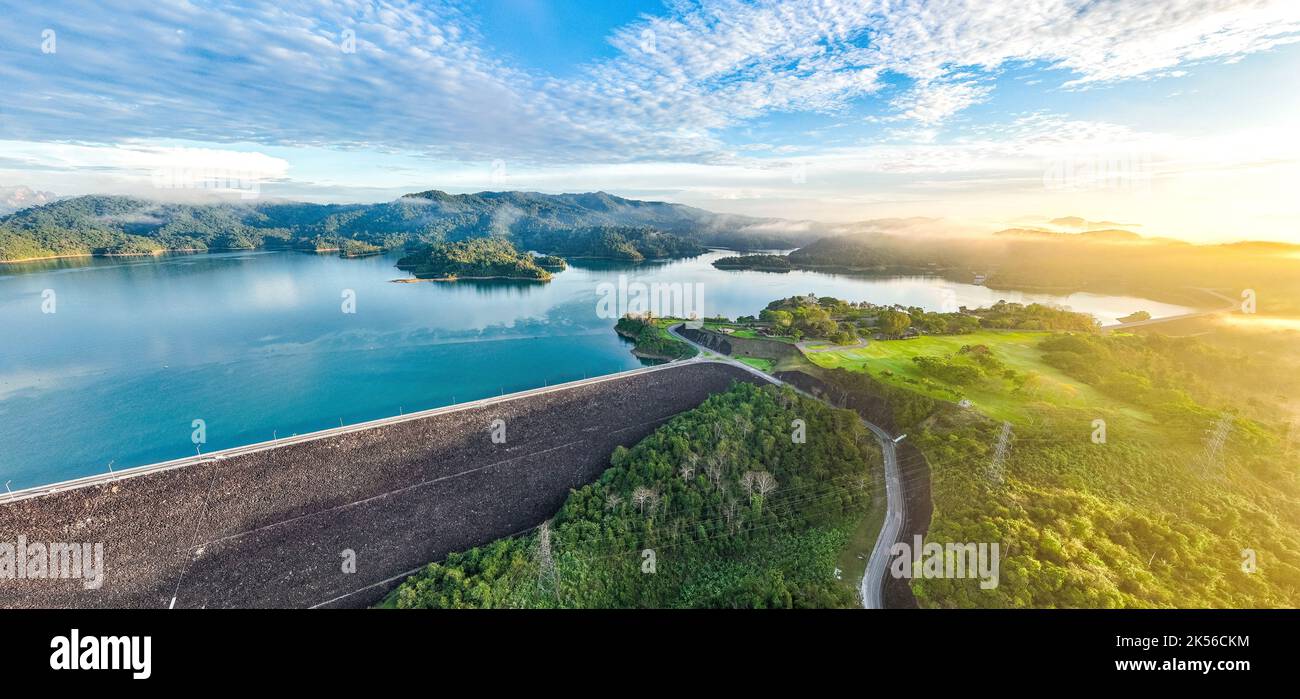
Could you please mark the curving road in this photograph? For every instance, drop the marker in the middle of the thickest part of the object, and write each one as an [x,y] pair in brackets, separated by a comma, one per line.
[873,581]
[872,587]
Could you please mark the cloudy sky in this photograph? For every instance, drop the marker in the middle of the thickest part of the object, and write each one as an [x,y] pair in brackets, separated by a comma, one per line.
[1178,116]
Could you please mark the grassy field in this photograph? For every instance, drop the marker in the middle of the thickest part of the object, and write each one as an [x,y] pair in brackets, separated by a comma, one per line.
[746,333]
[892,361]
[1142,518]
[736,330]
[760,364]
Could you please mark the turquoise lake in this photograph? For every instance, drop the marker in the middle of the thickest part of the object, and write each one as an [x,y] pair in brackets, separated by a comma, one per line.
[257,344]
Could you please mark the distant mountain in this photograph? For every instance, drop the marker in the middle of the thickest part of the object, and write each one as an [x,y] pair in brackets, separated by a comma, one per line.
[19,197]
[1114,235]
[594,224]
[1104,234]
[1106,261]
[1263,246]
[513,213]
[1080,222]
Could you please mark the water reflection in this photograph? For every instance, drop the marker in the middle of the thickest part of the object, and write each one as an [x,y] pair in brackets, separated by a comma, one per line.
[259,342]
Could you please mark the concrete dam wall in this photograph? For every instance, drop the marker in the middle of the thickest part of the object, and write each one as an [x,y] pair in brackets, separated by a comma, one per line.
[269,525]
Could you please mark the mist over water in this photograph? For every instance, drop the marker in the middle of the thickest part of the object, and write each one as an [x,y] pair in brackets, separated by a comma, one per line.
[257,345]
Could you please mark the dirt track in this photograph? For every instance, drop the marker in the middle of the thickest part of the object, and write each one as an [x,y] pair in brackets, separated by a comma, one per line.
[268,528]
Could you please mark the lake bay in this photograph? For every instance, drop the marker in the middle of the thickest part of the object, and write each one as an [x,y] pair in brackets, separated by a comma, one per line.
[258,344]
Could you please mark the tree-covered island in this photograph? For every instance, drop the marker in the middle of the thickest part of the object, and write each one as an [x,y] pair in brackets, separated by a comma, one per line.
[761,263]
[480,258]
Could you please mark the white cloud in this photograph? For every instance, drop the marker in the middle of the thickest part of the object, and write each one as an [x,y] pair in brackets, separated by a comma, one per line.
[422,80]
[931,103]
[141,158]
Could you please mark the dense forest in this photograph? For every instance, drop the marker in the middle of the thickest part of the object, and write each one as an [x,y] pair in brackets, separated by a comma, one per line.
[841,321]
[724,506]
[479,258]
[551,263]
[590,225]
[1175,484]
[612,242]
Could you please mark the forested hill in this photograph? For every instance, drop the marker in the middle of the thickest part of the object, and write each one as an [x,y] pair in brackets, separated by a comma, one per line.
[733,511]
[595,224]
[1104,261]
[479,258]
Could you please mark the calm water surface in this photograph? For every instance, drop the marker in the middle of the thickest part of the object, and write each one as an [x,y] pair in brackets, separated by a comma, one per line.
[257,345]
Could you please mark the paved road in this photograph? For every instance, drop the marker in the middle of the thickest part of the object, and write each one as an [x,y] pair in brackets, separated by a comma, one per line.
[708,355]
[873,582]
[872,586]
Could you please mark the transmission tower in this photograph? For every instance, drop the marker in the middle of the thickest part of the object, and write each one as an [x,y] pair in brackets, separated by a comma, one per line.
[1000,454]
[1214,445]
[545,562]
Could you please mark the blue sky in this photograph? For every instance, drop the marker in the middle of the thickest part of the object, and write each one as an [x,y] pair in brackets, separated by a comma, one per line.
[556,38]
[1175,115]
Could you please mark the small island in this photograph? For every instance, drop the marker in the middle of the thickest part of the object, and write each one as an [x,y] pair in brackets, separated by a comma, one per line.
[760,263]
[552,263]
[479,258]
[358,248]
[1136,317]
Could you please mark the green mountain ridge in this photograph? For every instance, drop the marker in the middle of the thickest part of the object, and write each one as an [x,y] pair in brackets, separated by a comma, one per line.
[593,224]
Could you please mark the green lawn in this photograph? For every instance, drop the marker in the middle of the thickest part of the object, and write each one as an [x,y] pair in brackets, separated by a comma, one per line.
[891,361]
[746,333]
[736,330]
[758,363]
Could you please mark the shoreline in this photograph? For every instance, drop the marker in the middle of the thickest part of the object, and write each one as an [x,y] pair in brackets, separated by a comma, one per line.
[157,253]
[730,268]
[951,274]
[628,260]
[317,250]
[416,280]
[47,257]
